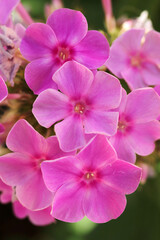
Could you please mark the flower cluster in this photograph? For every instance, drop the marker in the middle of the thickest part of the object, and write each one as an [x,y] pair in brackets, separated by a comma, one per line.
[70,132]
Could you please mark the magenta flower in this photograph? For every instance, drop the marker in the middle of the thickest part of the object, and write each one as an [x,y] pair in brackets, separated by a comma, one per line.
[138,128]
[22,168]
[65,37]
[85,105]
[93,183]
[135,57]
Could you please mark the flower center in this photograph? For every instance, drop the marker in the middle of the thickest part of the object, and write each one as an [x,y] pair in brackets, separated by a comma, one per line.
[89,176]
[63,54]
[122,126]
[79,108]
[136,61]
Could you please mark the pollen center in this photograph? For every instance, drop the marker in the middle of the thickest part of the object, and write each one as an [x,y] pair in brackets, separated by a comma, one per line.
[136,61]
[63,54]
[79,108]
[122,126]
[89,176]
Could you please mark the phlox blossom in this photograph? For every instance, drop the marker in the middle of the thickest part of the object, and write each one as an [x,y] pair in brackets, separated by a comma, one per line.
[65,37]
[138,128]
[135,57]
[22,168]
[92,183]
[85,104]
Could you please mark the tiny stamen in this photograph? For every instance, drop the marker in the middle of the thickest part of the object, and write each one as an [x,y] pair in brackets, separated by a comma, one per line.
[79,108]
[89,176]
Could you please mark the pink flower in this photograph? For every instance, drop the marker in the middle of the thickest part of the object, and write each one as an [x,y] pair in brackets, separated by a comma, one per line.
[5,193]
[137,127]
[22,168]
[38,218]
[135,57]
[6,7]
[85,105]
[65,37]
[93,183]
[41,217]
[3,90]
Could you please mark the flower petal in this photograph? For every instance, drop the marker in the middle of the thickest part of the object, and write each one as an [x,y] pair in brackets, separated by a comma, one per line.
[105,92]
[143,105]
[6,8]
[70,26]
[41,217]
[73,79]
[15,168]
[123,148]
[33,194]
[151,46]
[38,74]
[92,51]
[53,149]
[19,211]
[133,77]
[24,139]
[39,41]
[70,133]
[58,172]
[97,153]
[143,136]
[121,176]
[101,122]
[151,74]
[102,203]
[67,203]
[3,90]
[51,106]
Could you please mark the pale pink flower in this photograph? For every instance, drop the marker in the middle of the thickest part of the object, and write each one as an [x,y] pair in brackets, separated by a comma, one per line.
[92,183]
[138,128]
[65,37]
[86,104]
[22,168]
[135,57]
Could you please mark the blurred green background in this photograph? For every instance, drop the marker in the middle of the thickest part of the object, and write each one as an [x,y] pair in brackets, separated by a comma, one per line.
[141,219]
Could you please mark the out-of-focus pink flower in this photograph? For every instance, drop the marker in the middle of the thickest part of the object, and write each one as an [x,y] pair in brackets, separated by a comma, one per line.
[39,218]
[138,128]
[147,172]
[5,193]
[3,90]
[93,183]
[141,22]
[135,57]
[6,7]
[22,169]
[109,18]
[49,46]
[85,105]
[50,8]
